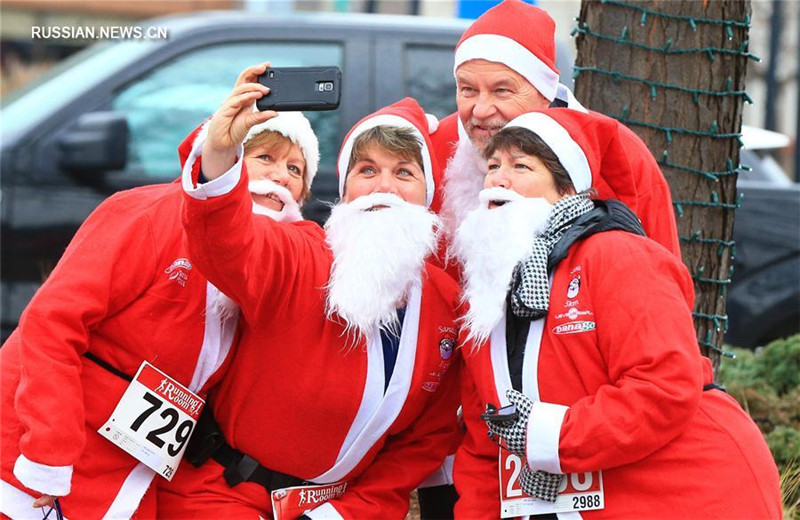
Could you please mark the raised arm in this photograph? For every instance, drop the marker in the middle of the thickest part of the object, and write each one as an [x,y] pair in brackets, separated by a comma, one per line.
[249,258]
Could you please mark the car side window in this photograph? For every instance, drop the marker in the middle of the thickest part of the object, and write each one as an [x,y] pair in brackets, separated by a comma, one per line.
[429,78]
[163,106]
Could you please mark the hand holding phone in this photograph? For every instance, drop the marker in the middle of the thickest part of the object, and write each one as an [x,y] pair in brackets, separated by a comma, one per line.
[301,88]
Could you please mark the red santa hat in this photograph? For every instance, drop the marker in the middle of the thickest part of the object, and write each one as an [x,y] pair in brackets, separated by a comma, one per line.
[405,113]
[518,35]
[585,144]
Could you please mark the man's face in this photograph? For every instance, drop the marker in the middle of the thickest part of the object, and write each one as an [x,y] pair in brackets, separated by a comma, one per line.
[489,96]
[380,171]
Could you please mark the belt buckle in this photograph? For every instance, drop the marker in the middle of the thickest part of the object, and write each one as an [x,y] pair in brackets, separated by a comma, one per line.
[203,448]
[240,472]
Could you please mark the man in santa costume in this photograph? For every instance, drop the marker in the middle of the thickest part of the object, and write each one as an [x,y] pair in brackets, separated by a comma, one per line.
[505,67]
[584,326]
[125,291]
[343,373]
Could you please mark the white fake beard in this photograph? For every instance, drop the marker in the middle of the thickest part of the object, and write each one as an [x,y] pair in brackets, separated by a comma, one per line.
[291,209]
[378,257]
[225,308]
[463,180]
[490,243]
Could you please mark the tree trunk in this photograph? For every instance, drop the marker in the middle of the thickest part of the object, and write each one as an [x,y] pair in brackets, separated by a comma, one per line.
[673,71]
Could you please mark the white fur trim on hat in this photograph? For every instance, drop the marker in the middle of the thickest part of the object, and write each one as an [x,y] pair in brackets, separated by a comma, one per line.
[433,123]
[571,156]
[297,128]
[502,49]
[388,120]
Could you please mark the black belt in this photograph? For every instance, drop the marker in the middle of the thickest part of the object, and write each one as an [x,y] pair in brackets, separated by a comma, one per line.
[105,364]
[240,467]
[208,442]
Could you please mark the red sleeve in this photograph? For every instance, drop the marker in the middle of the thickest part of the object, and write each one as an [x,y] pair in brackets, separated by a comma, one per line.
[475,471]
[646,335]
[407,458]
[109,263]
[630,173]
[654,200]
[253,259]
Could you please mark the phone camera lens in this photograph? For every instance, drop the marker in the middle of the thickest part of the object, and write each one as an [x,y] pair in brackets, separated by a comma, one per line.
[328,87]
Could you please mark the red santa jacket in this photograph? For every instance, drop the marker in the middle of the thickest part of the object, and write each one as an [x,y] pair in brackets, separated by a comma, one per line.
[648,196]
[126,291]
[616,378]
[301,396]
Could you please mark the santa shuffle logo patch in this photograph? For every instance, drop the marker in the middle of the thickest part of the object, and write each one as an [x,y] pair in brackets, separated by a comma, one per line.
[574,287]
[574,327]
[179,271]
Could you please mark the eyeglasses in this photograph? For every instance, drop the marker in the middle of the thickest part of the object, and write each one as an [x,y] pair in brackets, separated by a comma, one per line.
[57,508]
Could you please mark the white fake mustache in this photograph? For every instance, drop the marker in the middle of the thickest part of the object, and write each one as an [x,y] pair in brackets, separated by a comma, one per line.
[291,208]
[373,200]
[497,195]
[267,187]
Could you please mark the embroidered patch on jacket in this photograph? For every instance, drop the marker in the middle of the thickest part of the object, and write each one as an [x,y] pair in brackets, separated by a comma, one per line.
[573,314]
[574,287]
[178,271]
[430,386]
[574,327]
[447,346]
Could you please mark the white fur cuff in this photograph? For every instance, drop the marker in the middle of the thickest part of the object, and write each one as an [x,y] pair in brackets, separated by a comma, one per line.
[214,188]
[50,480]
[324,512]
[544,432]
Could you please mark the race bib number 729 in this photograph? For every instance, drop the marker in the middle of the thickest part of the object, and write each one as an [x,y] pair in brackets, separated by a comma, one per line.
[154,420]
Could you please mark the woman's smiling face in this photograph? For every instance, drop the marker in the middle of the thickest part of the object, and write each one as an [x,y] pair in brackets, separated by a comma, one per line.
[525,174]
[283,164]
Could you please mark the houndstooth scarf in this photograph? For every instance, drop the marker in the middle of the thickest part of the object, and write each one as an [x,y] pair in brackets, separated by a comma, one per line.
[530,288]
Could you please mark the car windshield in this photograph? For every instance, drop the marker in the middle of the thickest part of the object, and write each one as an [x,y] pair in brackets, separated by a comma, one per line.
[37,100]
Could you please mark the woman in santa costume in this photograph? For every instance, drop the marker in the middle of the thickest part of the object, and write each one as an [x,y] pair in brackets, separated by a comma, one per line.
[342,382]
[125,291]
[585,327]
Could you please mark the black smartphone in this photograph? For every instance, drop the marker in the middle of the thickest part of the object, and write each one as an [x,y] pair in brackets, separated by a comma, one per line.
[504,414]
[301,88]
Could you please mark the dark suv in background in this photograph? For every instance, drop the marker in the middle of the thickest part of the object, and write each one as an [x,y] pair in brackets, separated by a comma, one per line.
[111,117]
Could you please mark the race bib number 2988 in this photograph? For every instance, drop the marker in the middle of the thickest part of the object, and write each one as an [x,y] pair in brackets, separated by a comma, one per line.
[154,420]
[577,491]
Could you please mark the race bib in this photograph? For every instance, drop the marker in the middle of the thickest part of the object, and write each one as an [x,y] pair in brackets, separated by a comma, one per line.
[577,492]
[292,502]
[154,420]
